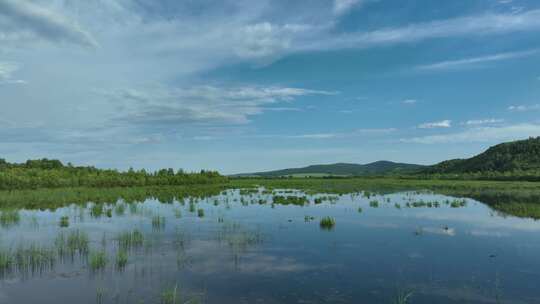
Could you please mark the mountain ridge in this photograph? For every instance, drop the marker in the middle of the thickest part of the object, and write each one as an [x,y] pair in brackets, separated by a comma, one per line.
[344,169]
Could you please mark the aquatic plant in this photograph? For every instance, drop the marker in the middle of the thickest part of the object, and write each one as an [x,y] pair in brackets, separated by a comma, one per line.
[129,240]
[100,295]
[200,213]
[75,242]
[403,297]
[169,296]
[64,221]
[97,260]
[290,200]
[374,204]
[9,218]
[34,259]
[121,259]
[177,213]
[158,222]
[458,203]
[96,210]
[6,262]
[120,209]
[327,222]
[308,218]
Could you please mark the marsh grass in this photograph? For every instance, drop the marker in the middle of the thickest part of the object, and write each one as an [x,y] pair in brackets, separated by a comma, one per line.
[34,259]
[327,223]
[97,260]
[96,210]
[158,222]
[120,209]
[76,242]
[374,204]
[290,200]
[121,259]
[9,218]
[200,213]
[6,262]
[402,297]
[458,203]
[130,240]
[64,221]
[170,296]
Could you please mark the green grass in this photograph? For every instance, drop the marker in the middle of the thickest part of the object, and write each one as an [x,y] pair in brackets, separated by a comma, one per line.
[158,222]
[290,200]
[120,209]
[458,203]
[76,242]
[403,297]
[64,221]
[9,218]
[96,210]
[26,260]
[327,223]
[97,260]
[374,204]
[6,262]
[130,240]
[121,259]
[170,296]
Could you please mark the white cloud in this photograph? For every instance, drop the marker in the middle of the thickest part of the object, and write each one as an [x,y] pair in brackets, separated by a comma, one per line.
[315,136]
[437,124]
[476,122]
[24,21]
[478,25]
[409,101]
[200,104]
[7,69]
[524,108]
[343,6]
[468,62]
[481,134]
[354,133]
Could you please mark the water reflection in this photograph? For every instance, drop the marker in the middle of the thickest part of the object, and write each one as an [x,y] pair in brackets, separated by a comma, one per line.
[258,245]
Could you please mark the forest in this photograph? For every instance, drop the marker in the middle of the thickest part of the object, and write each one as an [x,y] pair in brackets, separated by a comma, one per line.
[48,173]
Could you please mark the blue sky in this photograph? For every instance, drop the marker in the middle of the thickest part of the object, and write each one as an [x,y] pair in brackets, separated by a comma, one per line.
[242,86]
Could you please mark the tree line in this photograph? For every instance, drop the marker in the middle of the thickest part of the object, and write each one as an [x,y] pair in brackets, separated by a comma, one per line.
[50,173]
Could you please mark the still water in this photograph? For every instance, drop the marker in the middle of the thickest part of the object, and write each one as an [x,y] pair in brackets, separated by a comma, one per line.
[239,247]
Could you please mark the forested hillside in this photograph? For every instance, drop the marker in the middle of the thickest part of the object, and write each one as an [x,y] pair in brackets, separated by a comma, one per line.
[344,169]
[47,173]
[512,159]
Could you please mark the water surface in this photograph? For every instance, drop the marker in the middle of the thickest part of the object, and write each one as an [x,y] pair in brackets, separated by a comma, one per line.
[240,247]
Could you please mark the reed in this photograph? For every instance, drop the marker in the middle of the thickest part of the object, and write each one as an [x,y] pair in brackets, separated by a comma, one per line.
[327,223]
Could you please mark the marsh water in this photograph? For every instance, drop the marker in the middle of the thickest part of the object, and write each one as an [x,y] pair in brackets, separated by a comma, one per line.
[262,246]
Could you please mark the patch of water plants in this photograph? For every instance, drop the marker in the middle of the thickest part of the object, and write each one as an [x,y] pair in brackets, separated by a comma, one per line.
[327,223]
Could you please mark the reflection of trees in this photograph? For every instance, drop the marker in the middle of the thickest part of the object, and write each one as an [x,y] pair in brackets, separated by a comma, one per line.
[57,198]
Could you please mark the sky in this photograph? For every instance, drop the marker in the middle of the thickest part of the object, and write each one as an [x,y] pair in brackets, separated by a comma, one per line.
[244,86]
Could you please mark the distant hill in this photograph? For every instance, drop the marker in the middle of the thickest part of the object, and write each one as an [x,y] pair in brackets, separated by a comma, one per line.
[521,155]
[343,169]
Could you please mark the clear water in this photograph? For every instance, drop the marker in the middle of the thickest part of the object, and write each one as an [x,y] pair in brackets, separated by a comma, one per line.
[242,251]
